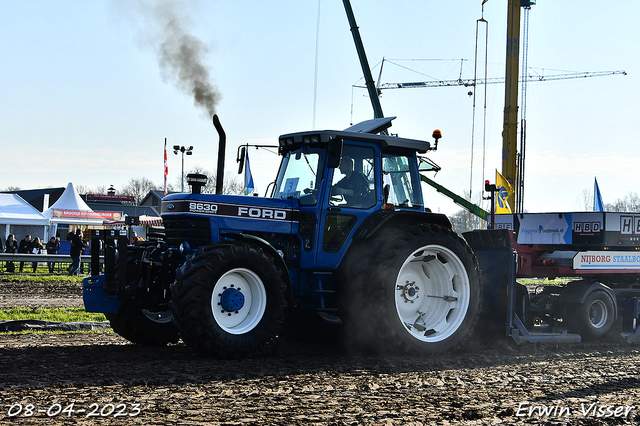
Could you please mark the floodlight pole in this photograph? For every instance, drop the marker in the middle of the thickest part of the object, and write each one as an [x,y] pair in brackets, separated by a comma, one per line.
[183,150]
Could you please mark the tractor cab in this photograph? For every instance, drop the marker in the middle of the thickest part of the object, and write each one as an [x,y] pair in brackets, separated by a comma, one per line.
[340,179]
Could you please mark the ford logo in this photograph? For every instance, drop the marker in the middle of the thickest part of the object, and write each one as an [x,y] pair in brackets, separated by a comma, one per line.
[171,206]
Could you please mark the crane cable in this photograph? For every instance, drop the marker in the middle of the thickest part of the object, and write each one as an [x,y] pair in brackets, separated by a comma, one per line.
[473,118]
[519,207]
[315,74]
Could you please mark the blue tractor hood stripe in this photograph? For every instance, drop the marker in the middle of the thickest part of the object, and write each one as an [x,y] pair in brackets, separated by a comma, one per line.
[231,206]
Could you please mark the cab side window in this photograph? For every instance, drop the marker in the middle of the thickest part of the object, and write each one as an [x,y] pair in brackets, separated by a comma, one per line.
[353,182]
[399,182]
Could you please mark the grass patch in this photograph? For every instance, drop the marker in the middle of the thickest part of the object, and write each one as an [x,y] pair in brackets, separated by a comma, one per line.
[42,278]
[55,314]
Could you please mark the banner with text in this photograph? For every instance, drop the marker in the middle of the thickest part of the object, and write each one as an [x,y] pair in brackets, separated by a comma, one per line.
[607,260]
[83,214]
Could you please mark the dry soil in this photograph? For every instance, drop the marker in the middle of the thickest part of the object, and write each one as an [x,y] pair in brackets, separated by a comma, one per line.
[307,379]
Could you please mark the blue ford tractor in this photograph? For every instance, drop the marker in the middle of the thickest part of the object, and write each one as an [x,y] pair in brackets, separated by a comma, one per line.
[345,232]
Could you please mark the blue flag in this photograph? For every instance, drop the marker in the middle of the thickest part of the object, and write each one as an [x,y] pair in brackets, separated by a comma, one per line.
[598,205]
[248,179]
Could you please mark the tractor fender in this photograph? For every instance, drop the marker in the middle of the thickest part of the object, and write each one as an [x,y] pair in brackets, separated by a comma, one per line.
[268,248]
[383,218]
[577,291]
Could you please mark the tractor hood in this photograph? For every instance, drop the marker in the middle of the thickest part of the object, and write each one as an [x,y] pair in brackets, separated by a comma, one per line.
[234,212]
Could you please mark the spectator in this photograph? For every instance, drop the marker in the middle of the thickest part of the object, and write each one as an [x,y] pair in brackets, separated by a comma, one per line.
[12,247]
[24,247]
[36,248]
[52,248]
[77,247]
[2,248]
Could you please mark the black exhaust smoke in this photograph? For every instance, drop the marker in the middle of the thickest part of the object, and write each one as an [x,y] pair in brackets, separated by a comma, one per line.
[180,54]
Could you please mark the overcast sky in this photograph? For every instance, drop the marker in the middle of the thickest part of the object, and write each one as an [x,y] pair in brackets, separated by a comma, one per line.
[85,98]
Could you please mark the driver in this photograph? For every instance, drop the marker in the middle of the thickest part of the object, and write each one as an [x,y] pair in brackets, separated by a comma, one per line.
[354,186]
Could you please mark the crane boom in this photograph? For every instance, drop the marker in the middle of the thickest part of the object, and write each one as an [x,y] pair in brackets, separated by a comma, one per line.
[510,127]
[470,82]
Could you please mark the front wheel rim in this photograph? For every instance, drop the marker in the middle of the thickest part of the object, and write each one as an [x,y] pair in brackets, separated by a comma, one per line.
[432,293]
[161,317]
[238,301]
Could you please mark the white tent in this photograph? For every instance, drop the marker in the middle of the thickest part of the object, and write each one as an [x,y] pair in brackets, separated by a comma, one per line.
[19,217]
[70,208]
[69,200]
[14,210]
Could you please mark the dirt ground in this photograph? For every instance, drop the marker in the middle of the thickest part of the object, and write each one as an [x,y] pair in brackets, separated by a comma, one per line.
[100,378]
[40,294]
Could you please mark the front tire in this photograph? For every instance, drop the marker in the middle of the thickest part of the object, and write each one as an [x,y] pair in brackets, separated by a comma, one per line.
[420,291]
[138,325]
[228,300]
[141,326]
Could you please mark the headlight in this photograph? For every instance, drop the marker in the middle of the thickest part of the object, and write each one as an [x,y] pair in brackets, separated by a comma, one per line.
[185,247]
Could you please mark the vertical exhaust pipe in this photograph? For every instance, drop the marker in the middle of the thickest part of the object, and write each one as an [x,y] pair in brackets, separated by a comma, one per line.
[221,152]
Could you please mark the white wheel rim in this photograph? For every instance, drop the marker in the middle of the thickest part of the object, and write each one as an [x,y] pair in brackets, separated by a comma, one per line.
[432,293]
[598,314]
[163,317]
[245,318]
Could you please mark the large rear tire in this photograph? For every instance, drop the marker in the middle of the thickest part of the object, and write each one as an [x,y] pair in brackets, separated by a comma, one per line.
[138,325]
[417,291]
[228,300]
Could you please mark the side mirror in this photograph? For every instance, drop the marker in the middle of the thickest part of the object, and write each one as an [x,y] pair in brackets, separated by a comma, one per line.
[240,159]
[427,165]
[335,153]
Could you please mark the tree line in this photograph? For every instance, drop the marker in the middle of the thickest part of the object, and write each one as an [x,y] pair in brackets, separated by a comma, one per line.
[140,187]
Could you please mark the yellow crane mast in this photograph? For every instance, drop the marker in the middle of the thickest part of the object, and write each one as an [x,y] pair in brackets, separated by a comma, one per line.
[510,126]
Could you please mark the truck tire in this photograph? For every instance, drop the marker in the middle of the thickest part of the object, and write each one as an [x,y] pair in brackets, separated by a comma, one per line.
[228,300]
[593,318]
[418,291]
[138,325]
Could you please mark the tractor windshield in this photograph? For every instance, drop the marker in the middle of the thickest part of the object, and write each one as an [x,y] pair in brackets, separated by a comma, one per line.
[300,175]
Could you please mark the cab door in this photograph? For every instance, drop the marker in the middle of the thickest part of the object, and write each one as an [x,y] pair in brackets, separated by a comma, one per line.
[352,197]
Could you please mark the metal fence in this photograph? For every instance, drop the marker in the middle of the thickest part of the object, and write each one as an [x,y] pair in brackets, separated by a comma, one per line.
[62,262]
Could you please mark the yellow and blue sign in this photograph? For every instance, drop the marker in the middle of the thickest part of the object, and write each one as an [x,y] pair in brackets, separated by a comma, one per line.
[504,189]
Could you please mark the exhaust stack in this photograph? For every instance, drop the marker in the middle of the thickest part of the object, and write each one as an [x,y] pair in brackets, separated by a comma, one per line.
[221,152]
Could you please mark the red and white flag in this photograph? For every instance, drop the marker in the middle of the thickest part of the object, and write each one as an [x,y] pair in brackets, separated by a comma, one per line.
[166,168]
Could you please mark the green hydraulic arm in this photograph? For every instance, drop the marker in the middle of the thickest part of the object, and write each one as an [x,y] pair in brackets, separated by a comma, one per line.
[473,208]
[364,63]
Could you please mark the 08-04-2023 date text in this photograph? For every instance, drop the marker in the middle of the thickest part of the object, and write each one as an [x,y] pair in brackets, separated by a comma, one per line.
[71,409]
